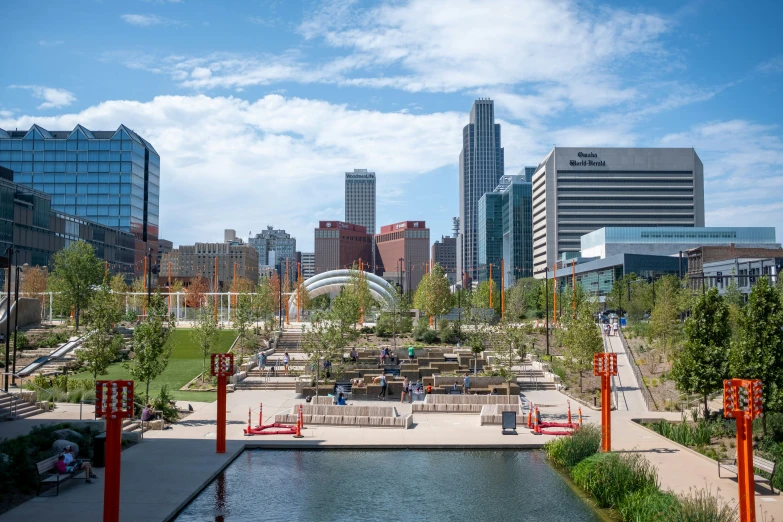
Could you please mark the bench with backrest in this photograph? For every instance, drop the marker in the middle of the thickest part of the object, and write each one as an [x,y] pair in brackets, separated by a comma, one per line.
[381,416]
[447,403]
[760,463]
[47,474]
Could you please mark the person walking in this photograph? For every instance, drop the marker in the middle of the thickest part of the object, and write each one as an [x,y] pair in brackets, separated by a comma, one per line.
[383,356]
[404,389]
[465,384]
[411,353]
[286,360]
[382,395]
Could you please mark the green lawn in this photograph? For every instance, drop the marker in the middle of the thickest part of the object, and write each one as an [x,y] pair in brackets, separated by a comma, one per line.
[184,364]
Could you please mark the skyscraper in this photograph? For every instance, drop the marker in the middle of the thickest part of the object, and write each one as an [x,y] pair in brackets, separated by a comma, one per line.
[360,202]
[109,177]
[274,247]
[481,164]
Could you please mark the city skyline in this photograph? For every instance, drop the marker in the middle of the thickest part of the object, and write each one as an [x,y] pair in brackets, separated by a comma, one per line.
[265,123]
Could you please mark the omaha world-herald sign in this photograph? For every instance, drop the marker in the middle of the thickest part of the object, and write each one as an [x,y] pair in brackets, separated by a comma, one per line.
[587,160]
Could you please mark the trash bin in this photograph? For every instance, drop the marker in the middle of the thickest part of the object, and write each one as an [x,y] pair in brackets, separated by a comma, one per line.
[99,451]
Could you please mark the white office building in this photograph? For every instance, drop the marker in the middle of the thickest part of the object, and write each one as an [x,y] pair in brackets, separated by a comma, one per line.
[577,190]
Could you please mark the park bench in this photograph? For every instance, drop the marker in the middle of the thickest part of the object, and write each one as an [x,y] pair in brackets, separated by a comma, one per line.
[759,463]
[47,474]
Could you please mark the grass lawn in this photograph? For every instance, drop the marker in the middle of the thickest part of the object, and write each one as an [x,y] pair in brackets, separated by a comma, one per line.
[184,364]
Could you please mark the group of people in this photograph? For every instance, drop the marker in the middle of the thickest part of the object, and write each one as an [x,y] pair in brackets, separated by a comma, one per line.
[67,463]
[409,388]
[262,362]
[610,329]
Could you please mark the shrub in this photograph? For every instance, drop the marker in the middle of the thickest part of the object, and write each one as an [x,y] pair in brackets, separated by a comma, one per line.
[75,395]
[81,384]
[162,403]
[648,505]
[449,335]
[684,433]
[406,325]
[421,328]
[701,506]
[570,451]
[610,477]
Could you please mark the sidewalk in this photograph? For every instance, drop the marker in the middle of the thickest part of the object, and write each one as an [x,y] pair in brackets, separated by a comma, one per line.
[629,395]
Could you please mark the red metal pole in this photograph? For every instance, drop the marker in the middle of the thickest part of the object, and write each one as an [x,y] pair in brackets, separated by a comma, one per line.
[606,413]
[221,415]
[111,491]
[260,414]
[747,495]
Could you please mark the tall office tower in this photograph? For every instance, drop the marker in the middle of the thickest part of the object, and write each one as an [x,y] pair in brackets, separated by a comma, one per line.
[308,264]
[340,246]
[528,172]
[108,177]
[274,247]
[404,253]
[481,164]
[579,190]
[164,247]
[444,253]
[360,202]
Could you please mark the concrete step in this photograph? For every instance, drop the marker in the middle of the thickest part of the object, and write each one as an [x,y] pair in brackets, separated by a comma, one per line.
[529,386]
[269,386]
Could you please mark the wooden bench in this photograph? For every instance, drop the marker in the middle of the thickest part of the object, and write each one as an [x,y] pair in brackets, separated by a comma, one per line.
[45,469]
[760,463]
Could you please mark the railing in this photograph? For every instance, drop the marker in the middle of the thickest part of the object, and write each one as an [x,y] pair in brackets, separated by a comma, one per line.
[13,405]
[648,398]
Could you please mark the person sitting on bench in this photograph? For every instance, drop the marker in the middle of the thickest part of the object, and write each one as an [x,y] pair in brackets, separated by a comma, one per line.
[354,355]
[72,465]
[341,400]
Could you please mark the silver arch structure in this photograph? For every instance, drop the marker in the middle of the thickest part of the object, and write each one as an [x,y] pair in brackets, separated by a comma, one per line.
[334,280]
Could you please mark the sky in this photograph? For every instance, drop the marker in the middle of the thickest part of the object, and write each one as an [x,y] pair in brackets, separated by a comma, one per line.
[258,108]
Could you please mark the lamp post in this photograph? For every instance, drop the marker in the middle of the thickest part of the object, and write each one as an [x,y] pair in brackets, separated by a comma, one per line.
[742,399]
[221,366]
[546,306]
[605,365]
[113,402]
[16,321]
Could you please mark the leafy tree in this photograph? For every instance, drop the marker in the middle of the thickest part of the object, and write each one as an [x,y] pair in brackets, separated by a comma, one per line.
[34,282]
[733,296]
[75,275]
[204,334]
[759,352]
[546,293]
[194,293]
[581,340]
[243,320]
[703,363]
[151,353]
[101,345]
[433,295]
[324,340]
[301,294]
[481,296]
[139,285]
[511,351]
[322,302]
[361,291]
[345,309]
[119,288]
[665,325]
[176,286]
[265,303]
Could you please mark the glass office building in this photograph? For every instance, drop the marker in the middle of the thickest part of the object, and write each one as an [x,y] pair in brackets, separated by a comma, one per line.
[108,177]
[490,236]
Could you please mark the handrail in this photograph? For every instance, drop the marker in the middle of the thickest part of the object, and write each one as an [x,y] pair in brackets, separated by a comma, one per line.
[37,388]
[648,398]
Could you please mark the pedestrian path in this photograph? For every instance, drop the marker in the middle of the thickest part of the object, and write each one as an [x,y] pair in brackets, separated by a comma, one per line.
[629,394]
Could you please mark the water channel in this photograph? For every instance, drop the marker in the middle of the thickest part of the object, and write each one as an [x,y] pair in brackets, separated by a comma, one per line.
[385,485]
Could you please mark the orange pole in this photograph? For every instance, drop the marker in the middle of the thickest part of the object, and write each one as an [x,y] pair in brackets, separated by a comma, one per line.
[490,285]
[502,288]
[299,293]
[554,291]
[286,291]
[606,414]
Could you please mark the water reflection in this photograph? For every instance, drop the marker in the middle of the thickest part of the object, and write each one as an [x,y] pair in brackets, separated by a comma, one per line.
[345,485]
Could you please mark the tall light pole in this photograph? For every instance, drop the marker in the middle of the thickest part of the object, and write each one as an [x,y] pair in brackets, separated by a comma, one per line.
[10,252]
[16,320]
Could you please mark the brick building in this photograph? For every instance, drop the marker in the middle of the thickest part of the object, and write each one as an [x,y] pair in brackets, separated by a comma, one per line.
[444,252]
[403,252]
[189,261]
[340,245]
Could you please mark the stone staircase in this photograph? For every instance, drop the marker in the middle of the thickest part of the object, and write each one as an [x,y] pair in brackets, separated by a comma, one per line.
[289,342]
[533,380]
[23,409]
[289,385]
[133,425]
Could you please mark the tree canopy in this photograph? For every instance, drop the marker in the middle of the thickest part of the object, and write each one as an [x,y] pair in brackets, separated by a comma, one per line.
[76,274]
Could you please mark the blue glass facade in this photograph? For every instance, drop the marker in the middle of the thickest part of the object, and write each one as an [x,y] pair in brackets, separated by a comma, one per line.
[490,236]
[108,177]
[517,229]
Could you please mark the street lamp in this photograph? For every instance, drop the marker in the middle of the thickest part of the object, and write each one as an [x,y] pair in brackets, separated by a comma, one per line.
[16,320]
[10,252]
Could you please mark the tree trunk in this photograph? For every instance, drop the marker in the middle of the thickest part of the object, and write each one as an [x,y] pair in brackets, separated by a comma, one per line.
[147,393]
[706,407]
[75,317]
[203,369]
[580,382]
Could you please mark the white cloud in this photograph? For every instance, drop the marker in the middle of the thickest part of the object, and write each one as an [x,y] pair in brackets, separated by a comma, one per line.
[148,20]
[276,156]
[53,97]
[50,43]
[773,65]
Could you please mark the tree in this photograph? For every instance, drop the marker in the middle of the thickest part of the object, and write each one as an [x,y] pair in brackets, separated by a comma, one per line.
[433,295]
[194,293]
[204,334]
[665,325]
[510,352]
[75,275]
[759,352]
[243,319]
[151,352]
[345,309]
[361,290]
[323,341]
[301,294]
[139,285]
[703,363]
[265,302]
[481,296]
[101,345]
[34,281]
[581,340]
[119,289]
[176,286]
[322,302]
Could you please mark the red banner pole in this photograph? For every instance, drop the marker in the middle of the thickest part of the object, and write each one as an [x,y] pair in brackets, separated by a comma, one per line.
[221,415]
[111,491]
[606,399]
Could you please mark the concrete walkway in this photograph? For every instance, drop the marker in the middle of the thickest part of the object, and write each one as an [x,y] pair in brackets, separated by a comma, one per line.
[629,395]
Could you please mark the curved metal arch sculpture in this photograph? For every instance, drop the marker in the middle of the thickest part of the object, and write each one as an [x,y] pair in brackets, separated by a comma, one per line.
[334,280]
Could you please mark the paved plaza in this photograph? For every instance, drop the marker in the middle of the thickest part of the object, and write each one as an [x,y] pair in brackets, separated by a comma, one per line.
[165,471]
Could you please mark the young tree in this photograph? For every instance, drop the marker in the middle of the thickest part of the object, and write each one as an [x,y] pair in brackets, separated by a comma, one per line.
[510,352]
[75,275]
[194,293]
[703,363]
[665,325]
[139,285]
[581,339]
[345,309]
[433,295]
[151,353]
[759,352]
[204,334]
[481,296]
[101,345]
[301,294]
[323,341]
[361,290]
[119,288]
[243,320]
[34,281]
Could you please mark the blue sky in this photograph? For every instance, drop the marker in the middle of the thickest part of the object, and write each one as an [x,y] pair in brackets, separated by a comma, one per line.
[257,108]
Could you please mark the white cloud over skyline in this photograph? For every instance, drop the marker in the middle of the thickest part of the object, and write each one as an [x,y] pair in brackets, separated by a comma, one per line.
[53,97]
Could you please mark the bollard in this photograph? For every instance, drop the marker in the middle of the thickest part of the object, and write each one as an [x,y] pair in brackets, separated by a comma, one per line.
[569,412]
[299,423]
[580,415]
[260,414]
[537,423]
[301,417]
[249,413]
[530,416]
